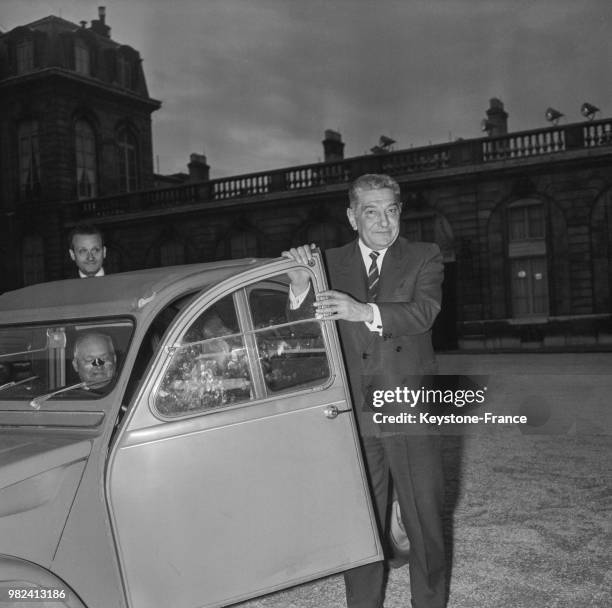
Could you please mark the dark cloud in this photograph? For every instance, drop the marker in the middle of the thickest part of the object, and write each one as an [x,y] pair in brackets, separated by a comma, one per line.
[254,83]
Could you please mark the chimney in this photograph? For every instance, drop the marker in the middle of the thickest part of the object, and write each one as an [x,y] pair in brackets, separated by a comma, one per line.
[199,170]
[497,118]
[99,25]
[333,146]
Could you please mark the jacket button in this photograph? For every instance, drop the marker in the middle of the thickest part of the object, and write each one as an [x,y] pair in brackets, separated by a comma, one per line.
[364,355]
[398,349]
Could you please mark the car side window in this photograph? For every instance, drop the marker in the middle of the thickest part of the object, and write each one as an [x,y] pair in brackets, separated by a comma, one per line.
[290,344]
[212,367]
[209,369]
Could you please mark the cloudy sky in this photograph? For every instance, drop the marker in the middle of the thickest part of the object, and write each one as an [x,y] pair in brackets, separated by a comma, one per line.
[253,84]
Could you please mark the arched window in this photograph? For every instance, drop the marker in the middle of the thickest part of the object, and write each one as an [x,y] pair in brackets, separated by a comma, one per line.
[29,159]
[527,258]
[82,57]
[85,150]
[33,260]
[171,253]
[128,160]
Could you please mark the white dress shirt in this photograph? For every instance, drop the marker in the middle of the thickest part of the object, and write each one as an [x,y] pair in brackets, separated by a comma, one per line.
[295,301]
[100,273]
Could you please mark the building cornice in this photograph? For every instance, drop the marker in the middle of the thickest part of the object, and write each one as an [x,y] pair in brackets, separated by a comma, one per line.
[32,78]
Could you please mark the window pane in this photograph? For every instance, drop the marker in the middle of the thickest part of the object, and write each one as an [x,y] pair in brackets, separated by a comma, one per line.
[269,303]
[293,356]
[124,71]
[81,57]
[128,174]
[535,220]
[526,222]
[25,57]
[210,369]
[85,150]
[29,159]
[217,321]
[290,345]
[205,375]
[518,229]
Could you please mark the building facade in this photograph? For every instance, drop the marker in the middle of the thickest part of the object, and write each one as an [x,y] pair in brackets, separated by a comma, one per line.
[524,219]
[75,123]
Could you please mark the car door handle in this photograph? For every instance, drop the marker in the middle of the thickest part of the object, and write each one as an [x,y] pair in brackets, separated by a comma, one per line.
[331,411]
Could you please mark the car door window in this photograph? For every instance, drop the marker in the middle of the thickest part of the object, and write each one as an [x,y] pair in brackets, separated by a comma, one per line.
[225,358]
[209,369]
[290,344]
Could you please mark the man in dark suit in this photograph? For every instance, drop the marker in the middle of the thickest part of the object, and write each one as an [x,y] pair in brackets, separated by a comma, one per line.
[386,293]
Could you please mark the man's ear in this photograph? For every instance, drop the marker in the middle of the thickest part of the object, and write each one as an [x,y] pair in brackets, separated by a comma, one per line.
[75,367]
[104,252]
[350,213]
[72,256]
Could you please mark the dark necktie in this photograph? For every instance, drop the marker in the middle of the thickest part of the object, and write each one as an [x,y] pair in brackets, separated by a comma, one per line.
[373,277]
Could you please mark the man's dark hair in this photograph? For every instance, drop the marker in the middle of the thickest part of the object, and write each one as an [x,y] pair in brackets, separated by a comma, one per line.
[373,181]
[89,229]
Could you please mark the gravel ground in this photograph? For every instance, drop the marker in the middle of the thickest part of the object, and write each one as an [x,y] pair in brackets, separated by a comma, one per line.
[529,516]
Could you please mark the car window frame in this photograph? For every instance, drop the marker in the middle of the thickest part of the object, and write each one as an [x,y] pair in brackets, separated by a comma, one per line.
[240,297]
[121,370]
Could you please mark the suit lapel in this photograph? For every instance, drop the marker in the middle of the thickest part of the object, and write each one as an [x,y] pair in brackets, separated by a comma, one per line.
[350,274]
[391,271]
[350,277]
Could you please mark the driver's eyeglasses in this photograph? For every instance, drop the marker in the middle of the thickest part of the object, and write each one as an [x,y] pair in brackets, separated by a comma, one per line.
[97,361]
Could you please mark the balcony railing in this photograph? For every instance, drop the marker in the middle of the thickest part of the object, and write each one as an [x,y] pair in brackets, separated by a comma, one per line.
[462,153]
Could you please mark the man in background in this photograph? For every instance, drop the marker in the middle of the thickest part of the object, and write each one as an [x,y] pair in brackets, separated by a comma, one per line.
[87,250]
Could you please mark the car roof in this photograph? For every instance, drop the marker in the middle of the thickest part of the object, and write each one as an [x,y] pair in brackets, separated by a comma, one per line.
[114,294]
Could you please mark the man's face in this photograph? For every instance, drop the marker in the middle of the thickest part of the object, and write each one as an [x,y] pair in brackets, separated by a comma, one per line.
[95,361]
[88,253]
[376,217]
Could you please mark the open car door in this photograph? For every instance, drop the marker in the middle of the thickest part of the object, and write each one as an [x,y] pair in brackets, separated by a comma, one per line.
[237,470]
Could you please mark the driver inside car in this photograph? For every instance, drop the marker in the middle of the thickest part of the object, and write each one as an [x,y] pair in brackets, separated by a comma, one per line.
[94,359]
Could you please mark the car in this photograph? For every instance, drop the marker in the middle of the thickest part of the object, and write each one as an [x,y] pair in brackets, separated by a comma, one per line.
[217,460]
